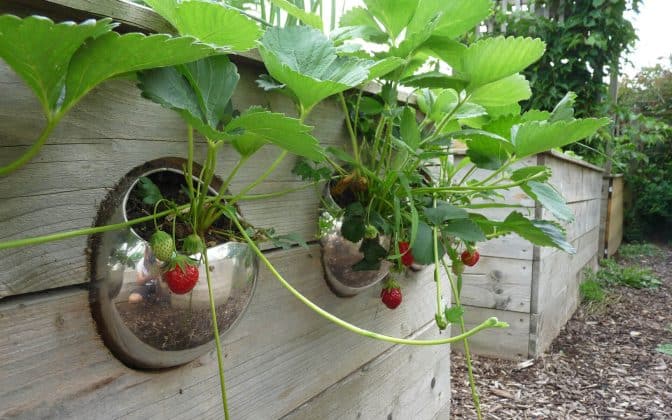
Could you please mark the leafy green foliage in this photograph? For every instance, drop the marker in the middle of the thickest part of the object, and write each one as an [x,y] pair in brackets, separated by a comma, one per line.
[613,273]
[491,59]
[591,291]
[633,252]
[536,137]
[201,93]
[308,18]
[23,45]
[665,348]
[149,192]
[587,41]
[642,151]
[305,61]
[209,22]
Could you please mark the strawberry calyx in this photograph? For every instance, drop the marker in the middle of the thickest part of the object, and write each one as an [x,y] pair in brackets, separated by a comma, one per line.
[181,261]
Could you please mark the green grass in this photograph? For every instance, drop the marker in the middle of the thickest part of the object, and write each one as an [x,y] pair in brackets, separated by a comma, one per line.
[591,291]
[636,250]
[613,273]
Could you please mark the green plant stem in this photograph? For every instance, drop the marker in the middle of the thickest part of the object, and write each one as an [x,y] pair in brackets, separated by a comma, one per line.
[423,190]
[437,279]
[467,352]
[190,160]
[32,151]
[87,231]
[351,131]
[215,330]
[489,323]
[261,178]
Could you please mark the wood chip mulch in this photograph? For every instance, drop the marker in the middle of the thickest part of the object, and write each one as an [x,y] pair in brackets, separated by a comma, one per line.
[604,363]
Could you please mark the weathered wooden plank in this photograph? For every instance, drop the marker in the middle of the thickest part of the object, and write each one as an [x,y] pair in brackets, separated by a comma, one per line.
[547,324]
[97,144]
[508,343]
[498,283]
[615,216]
[586,218]
[560,270]
[278,357]
[575,182]
[374,391]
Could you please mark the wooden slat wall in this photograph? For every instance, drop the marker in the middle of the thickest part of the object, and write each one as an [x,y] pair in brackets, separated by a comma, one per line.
[521,282]
[279,358]
[558,274]
[282,360]
[614,234]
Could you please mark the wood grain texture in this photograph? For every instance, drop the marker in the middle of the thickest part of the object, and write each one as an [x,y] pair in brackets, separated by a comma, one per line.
[109,133]
[615,216]
[506,343]
[498,283]
[278,358]
[374,391]
[558,291]
[575,182]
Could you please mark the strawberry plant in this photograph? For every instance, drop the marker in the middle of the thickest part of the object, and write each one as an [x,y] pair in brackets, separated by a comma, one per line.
[396,187]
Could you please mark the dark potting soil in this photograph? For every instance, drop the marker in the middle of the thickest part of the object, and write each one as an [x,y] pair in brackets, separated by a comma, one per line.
[167,328]
[173,187]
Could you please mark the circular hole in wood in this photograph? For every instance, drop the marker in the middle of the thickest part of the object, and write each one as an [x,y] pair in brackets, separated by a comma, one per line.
[141,320]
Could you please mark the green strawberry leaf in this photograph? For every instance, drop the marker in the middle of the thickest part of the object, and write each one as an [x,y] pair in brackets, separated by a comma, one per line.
[305,61]
[373,252]
[564,110]
[435,79]
[394,15]
[112,54]
[551,199]
[543,173]
[459,16]
[539,232]
[492,59]
[210,22]
[359,23]
[423,245]
[534,137]
[200,92]
[465,229]
[443,212]
[509,90]
[256,127]
[454,314]
[29,48]
[150,193]
[308,18]
[354,222]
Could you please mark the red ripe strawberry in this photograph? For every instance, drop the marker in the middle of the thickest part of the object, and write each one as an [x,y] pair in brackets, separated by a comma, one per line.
[406,255]
[391,296]
[470,257]
[181,277]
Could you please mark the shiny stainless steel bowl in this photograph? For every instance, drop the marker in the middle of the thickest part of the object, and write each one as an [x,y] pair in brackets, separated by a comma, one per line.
[161,329]
[339,255]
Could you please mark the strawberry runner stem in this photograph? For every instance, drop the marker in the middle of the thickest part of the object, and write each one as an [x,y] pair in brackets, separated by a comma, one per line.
[215,330]
[489,323]
[467,353]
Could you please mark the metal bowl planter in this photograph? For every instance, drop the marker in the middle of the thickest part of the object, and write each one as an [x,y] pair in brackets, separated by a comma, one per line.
[162,329]
[339,255]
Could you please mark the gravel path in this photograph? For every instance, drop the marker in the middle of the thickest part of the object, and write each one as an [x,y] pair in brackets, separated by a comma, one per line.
[602,365]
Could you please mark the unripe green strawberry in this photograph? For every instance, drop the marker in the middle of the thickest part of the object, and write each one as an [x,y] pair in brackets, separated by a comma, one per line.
[162,245]
[192,244]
